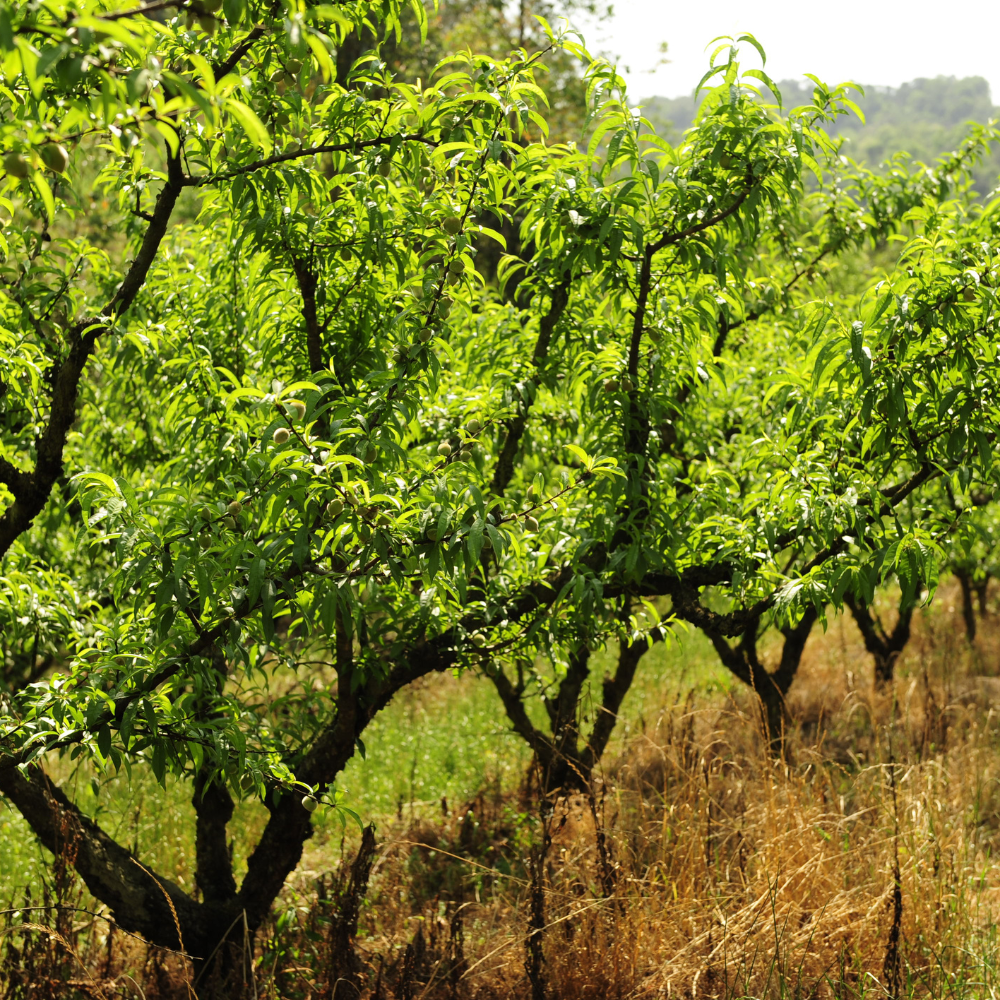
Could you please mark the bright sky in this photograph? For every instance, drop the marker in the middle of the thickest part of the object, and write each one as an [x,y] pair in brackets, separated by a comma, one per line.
[868,41]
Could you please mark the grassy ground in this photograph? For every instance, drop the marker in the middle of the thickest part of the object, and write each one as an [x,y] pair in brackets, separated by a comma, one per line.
[702,869]
[444,738]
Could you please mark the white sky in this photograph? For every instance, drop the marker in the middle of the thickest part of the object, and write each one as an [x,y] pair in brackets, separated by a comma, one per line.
[866,41]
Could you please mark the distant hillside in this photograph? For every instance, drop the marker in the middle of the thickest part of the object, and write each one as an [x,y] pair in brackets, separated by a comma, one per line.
[925,118]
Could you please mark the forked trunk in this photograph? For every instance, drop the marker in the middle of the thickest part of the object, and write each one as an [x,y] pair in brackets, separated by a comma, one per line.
[566,756]
[884,646]
[770,687]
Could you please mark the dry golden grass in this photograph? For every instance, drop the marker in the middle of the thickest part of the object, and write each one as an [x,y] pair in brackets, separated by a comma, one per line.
[701,868]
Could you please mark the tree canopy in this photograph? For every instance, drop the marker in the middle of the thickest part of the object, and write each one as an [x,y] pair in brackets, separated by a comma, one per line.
[283,438]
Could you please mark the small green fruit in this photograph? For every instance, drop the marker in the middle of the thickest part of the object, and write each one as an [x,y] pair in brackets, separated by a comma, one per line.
[610,385]
[280,435]
[205,541]
[297,407]
[54,157]
[385,167]
[532,493]
[444,307]
[234,507]
[457,267]
[208,24]
[478,640]
[247,782]
[530,523]
[346,254]
[654,336]
[205,513]
[453,278]
[16,165]
[465,455]
[294,65]
[425,334]
[473,426]
[309,803]
[969,294]
[371,453]
[626,384]
[230,523]
[444,449]
[432,534]
[452,225]
[334,508]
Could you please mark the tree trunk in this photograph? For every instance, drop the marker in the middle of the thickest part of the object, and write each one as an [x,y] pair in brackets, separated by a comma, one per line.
[566,765]
[216,931]
[885,647]
[343,965]
[968,608]
[744,662]
[982,592]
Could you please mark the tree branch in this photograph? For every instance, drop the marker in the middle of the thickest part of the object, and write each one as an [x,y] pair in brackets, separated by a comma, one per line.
[108,870]
[613,692]
[515,426]
[33,489]
[341,147]
[213,806]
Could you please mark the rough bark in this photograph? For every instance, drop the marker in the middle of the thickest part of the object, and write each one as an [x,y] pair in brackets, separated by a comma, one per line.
[884,646]
[305,276]
[344,965]
[613,691]
[770,687]
[566,763]
[968,608]
[213,807]
[136,895]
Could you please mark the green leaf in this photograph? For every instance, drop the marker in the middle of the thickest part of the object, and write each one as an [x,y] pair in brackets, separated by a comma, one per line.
[252,125]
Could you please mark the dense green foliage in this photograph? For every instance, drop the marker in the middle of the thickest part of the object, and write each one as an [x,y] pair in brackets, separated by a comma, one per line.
[920,120]
[289,439]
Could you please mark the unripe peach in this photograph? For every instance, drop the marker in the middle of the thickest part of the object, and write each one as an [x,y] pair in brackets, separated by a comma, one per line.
[54,157]
[16,165]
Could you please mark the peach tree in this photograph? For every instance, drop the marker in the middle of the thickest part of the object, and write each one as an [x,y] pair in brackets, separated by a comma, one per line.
[317,381]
